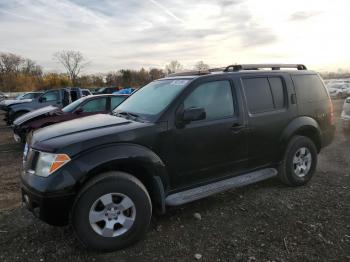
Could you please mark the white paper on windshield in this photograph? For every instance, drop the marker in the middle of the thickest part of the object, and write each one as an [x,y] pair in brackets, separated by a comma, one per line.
[179,82]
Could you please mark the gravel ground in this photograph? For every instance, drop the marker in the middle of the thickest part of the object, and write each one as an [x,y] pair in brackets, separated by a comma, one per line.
[263,222]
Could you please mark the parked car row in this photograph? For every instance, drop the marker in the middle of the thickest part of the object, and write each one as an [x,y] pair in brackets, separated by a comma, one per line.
[49,115]
[176,140]
[345,116]
[339,89]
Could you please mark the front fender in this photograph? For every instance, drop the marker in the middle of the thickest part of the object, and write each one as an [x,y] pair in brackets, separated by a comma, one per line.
[121,153]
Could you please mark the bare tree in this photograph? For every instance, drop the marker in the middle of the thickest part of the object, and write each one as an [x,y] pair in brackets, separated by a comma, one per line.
[173,66]
[201,66]
[10,63]
[73,62]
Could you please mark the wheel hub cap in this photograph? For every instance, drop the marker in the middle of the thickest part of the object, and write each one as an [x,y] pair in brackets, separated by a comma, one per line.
[302,161]
[112,214]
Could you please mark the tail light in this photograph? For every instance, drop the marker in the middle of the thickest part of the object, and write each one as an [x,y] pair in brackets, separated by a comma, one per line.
[331,113]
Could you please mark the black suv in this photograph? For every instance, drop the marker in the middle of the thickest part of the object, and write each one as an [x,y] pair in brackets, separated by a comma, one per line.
[176,140]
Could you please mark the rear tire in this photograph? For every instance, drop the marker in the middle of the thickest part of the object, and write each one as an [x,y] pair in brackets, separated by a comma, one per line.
[299,162]
[112,211]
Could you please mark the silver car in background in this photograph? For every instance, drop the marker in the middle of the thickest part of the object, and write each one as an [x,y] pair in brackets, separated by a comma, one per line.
[345,116]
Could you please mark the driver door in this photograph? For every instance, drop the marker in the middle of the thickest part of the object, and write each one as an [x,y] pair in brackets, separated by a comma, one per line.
[207,149]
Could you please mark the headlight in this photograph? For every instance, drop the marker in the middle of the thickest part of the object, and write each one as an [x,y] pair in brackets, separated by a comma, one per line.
[49,163]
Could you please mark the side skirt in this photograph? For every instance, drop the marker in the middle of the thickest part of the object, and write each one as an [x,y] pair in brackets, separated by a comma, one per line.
[220,186]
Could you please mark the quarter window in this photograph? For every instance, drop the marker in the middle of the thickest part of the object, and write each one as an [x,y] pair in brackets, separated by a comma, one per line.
[309,88]
[215,97]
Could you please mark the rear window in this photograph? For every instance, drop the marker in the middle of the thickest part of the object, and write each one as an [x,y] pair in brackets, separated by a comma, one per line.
[309,88]
[264,94]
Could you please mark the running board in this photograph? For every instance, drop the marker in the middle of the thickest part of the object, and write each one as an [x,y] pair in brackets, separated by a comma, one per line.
[220,186]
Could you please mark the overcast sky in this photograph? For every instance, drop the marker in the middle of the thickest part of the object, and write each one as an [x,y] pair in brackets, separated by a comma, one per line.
[115,34]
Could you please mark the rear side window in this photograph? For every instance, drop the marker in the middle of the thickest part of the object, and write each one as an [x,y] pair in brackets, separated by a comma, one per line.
[264,94]
[277,92]
[309,88]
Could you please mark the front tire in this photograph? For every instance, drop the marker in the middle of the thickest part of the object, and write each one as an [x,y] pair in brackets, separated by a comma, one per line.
[111,212]
[299,163]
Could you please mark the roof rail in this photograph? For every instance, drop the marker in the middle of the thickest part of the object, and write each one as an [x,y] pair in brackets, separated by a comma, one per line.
[259,66]
[190,73]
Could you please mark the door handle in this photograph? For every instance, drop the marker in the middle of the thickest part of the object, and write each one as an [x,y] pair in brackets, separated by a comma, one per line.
[237,128]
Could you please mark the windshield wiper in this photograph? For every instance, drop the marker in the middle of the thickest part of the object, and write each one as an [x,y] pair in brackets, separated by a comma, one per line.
[127,115]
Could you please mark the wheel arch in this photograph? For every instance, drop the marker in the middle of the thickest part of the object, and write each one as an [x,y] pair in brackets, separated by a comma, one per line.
[136,160]
[303,126]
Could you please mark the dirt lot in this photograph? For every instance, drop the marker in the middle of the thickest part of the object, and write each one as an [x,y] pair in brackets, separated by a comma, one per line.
[262,222]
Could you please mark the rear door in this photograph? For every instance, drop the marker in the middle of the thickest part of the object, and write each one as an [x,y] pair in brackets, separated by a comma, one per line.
[269,110]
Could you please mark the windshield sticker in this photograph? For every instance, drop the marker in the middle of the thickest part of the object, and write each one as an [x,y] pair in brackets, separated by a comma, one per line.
[179,82]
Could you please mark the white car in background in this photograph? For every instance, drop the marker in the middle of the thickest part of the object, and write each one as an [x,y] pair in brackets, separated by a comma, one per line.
[339,90]
[345,116]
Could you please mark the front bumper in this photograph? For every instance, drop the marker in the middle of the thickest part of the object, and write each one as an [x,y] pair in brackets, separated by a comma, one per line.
[52,207]
[53,210]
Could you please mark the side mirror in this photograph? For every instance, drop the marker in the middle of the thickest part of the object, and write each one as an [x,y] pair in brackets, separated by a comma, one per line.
[42,99]
[193,114]
[79,110]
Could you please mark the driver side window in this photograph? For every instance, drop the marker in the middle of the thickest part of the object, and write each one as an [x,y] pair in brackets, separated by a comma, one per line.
[95,105]
[214,97]
[51,96]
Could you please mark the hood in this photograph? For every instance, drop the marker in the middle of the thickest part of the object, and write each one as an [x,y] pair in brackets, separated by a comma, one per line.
[83,133]
[36,113]
[9,102]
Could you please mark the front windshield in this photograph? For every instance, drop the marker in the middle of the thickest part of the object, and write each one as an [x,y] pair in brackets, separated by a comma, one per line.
[72,106]
[153,98]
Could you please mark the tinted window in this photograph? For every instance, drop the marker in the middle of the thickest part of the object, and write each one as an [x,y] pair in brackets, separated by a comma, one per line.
[277,91]
[51,96]
[309,88]
[116,100]
[95,105]
[258,94]
[215,97]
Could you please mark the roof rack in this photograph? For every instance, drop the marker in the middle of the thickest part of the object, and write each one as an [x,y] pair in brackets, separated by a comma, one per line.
[259,66]
[190,73]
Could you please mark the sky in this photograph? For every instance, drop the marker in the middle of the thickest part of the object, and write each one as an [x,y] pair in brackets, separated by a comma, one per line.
[115,34]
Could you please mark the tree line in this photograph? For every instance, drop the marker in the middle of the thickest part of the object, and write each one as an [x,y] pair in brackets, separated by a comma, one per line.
[18,74]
